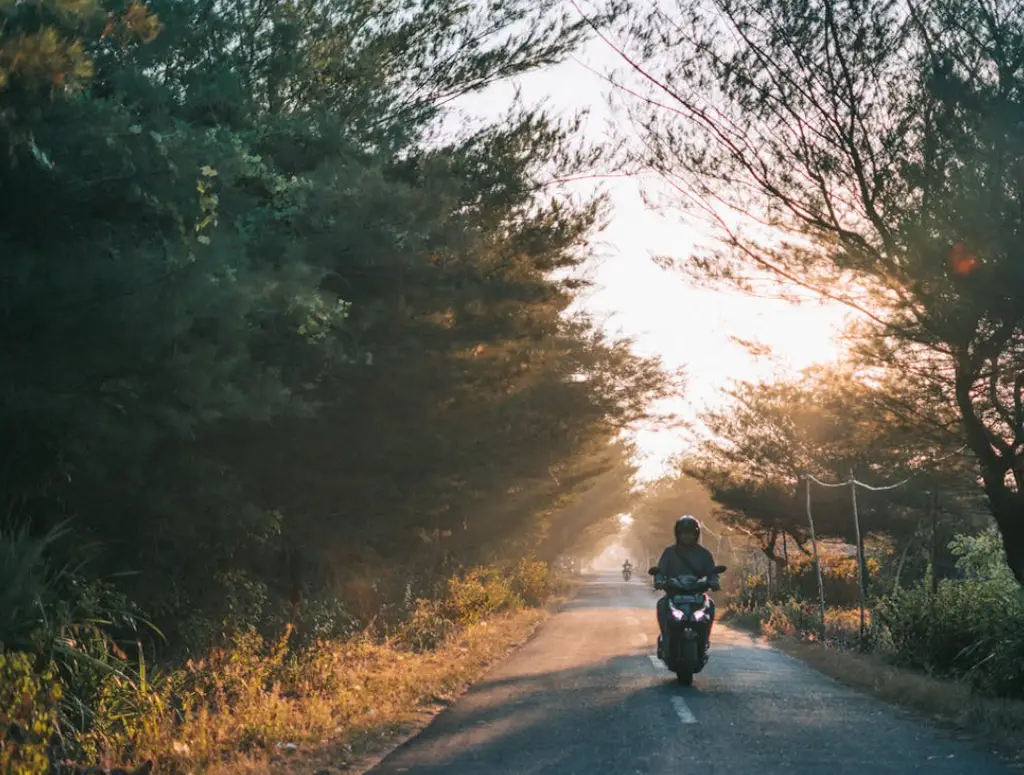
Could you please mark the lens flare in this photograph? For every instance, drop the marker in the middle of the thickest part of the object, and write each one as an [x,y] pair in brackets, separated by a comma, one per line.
[961,261]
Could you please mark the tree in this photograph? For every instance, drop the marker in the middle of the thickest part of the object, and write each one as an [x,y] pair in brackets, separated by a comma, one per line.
[269,329]
[826,423]
[865,152]
[660,503]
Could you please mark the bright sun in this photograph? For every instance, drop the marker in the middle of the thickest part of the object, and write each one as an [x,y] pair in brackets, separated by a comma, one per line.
[692,327]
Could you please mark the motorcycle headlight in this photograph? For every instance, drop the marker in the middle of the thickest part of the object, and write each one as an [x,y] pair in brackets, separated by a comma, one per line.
[677,614]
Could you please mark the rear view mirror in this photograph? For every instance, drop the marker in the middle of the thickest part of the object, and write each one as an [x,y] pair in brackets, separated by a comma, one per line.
[720,569]
[654,570]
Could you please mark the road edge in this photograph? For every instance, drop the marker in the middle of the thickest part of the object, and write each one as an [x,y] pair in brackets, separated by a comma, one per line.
[940,703]
[370,759]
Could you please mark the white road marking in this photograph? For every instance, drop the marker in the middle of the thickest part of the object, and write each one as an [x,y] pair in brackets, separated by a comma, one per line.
[684,713]
[655,661]
[640,638]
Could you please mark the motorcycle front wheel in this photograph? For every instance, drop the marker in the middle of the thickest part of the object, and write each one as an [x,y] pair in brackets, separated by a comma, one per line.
[687,663]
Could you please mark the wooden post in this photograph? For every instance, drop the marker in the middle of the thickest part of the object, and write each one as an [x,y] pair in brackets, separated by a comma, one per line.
[902,562]
[860,556]
[785,564]
[934,513]
[817,562]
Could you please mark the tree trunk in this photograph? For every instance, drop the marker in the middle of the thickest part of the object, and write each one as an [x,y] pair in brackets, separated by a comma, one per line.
[996,457]
[933,509]
[1007,508]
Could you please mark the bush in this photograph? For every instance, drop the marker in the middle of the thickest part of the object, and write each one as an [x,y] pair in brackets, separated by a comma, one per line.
[250,693]
[972,628]
[799,619]
[968,629]
[475,596]
[29,701]
[480,593]
[533,581]
[428,627]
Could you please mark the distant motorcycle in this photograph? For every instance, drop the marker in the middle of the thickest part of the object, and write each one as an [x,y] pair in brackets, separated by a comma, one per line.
[627,572]
[683,650]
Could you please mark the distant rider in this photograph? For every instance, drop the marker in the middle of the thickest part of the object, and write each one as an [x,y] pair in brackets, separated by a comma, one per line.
[627,565]
[686,557]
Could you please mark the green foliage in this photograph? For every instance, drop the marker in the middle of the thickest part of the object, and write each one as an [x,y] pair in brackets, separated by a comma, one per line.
[290,295]
[980,558]
[428,626]
[479,595]
[973,628]
[794,618]
[533,581]
[277,348]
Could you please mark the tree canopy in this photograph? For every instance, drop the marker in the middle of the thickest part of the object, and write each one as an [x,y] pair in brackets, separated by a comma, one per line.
[827,423]
[265,325]
[865,152]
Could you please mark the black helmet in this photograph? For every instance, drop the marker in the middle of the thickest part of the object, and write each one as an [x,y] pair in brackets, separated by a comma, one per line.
[687,524]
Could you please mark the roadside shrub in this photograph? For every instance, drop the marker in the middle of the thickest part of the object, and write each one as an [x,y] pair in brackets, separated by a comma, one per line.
[479,594]
[325,618]
[475,596]
[968,629]
[799,619]
[252,692]
[428,626]
[533,581]
[29,701]
[972,628]
[791,618]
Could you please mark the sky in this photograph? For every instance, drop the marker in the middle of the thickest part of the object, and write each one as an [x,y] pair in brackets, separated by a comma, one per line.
[661,309]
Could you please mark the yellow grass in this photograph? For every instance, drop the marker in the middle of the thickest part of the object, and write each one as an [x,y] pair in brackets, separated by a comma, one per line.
[255,708]
[385,693]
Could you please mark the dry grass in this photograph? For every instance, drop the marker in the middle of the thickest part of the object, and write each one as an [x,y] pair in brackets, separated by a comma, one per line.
[259,706]
[399,691]
[995,723]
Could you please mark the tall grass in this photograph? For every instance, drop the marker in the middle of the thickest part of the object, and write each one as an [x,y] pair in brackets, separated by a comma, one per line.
[252,693]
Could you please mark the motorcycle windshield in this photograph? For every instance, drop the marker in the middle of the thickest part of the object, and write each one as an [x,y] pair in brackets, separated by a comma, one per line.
[679,600]
[685,585]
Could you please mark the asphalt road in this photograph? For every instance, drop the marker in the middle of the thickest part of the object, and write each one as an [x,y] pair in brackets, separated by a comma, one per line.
[587,697]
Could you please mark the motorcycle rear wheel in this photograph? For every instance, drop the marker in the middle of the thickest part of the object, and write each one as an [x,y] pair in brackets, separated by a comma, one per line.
[687,663]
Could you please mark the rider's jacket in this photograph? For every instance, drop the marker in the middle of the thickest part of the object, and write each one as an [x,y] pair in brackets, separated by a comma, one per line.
[678,560]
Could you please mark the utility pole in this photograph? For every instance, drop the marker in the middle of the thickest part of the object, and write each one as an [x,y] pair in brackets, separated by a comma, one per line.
[933,509]
[860,556]
[817,562]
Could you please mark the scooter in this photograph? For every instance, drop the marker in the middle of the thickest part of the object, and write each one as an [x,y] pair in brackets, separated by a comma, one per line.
[627,572]
[683,650]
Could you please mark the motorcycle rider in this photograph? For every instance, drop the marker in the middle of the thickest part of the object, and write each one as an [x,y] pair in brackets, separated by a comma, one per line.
[686,557]
[627,566]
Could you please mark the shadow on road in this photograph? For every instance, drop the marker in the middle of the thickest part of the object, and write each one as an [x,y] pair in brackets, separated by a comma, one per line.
[577,720]
[756,716]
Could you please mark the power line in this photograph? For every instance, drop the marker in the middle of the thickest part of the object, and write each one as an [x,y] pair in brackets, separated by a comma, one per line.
[883,488]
